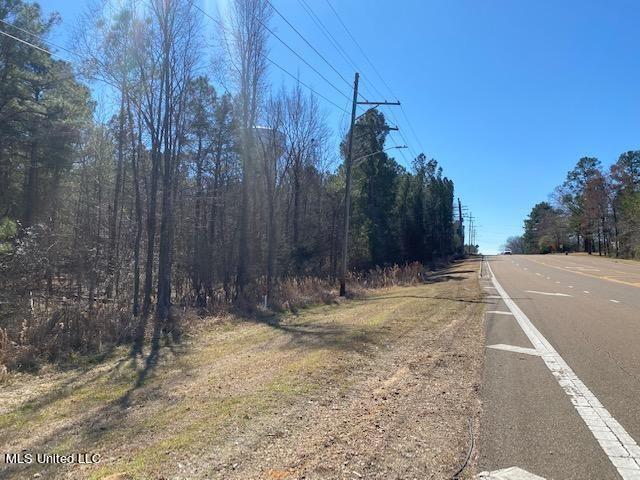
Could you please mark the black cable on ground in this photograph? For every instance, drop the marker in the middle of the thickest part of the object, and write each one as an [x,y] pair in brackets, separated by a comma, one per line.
[466,460]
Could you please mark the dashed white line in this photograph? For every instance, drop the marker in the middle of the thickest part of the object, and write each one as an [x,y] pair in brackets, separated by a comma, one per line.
[499,312]
[618,445]
[553,294]
[570,286]
[615,301]
[586,291]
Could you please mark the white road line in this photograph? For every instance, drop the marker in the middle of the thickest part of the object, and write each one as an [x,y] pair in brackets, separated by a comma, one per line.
[511,473]
[494,296]
[557,282]
[513,348]
[586,291]
[570,286]
[539,274]
[553,294]
[615,301]
[548,278]
[618,445]
[499,312]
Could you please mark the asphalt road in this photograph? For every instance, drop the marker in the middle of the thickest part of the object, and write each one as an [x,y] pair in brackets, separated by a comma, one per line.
[566,405]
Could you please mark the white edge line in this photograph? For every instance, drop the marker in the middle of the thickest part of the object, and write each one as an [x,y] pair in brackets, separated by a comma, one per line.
[617,444]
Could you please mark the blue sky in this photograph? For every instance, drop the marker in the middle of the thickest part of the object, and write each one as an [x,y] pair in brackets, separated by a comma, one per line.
[506,95]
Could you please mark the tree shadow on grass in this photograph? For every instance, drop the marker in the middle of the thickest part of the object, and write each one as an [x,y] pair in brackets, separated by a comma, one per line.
[322,335]
[427,297]
[89,425]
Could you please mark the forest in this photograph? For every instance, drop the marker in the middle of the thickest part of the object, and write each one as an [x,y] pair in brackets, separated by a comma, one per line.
[161,171]
[595,210]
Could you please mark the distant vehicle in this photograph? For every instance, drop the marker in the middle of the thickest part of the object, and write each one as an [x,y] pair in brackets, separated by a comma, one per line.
[507,251]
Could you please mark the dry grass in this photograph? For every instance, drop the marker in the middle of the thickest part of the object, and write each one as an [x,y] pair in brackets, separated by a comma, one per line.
[381,386]
[57,329]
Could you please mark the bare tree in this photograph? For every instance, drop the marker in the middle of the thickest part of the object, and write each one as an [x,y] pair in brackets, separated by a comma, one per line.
[248,40]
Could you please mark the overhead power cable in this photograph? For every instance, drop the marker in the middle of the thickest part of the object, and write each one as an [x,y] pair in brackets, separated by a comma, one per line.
[39,38]
[305,85]
[305,61]
[310,45]
[358,45]
[222,26]
[27,43]
[364,54]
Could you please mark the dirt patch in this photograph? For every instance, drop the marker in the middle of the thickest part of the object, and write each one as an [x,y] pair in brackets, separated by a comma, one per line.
[379,387]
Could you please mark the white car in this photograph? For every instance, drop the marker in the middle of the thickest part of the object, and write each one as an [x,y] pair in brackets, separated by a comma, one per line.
[507,251]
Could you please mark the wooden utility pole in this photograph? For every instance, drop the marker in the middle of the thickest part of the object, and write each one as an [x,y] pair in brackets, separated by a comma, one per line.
[347,169]
[461,226]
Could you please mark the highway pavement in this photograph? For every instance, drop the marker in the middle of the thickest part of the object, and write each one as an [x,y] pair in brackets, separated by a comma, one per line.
[561,389]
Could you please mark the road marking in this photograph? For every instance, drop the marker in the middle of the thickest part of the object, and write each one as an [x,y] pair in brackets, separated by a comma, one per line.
[570,286]
[553,294]
[618,445]
[548,278]
[539,274]
[615,301]
[601,277]
[511,473]
[586,291]
[513,348]
[494,296]
[499,312]
[492,288]
[584,268]
[557,281]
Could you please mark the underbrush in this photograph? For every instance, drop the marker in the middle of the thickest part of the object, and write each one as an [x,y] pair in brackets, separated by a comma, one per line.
[68,330]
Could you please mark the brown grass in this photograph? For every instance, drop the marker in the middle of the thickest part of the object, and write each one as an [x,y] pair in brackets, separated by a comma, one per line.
[381,385]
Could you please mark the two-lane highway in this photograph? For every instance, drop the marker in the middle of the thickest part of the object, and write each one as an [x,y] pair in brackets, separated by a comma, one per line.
[562,373]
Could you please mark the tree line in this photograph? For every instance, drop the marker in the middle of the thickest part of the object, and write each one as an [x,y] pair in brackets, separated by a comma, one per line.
[595,210]
[189,194]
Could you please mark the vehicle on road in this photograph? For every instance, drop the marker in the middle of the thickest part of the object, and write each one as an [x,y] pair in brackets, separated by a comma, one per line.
[507,251]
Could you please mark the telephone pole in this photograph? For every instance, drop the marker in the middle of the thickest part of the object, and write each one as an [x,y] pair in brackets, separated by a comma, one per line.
[347,193]
[460,227]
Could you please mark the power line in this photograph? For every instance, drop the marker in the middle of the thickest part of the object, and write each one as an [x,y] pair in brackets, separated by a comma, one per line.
[358,45]
[355,41]
[305,85]
[329,36]
[39,38]
[304,61]
[266,27]
[310,45]
[27,43]
[221,25]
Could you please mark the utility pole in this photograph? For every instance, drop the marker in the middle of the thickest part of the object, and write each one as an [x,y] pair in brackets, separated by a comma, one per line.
[461,226]
[347,193]
[471,234]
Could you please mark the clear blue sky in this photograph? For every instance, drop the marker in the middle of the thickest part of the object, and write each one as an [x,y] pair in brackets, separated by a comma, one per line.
[507,95]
